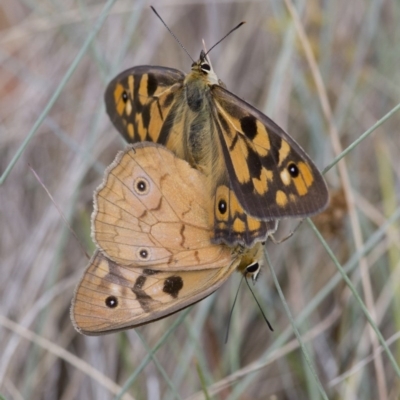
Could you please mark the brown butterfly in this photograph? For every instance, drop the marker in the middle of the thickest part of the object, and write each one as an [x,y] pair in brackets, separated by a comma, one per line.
[256,173]
[151,223]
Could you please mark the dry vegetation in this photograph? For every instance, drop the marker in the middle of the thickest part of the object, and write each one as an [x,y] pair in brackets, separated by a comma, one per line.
[356,48]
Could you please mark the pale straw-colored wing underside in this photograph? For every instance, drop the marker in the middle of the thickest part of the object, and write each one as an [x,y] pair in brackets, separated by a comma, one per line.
[167,224]
[112,297]
[151,224]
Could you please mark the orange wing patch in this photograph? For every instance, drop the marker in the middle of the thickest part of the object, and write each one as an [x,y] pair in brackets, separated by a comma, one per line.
[233,225]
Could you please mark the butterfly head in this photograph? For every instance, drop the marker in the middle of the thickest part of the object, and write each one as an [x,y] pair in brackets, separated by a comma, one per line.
[203,67]
[251,260]
[253,270]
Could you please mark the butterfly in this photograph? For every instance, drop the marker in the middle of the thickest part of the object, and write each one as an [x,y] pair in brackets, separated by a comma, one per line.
[151,224]
[256,173]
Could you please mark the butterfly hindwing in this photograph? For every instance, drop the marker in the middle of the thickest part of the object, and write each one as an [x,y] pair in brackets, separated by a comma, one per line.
[112,297]
[233,225]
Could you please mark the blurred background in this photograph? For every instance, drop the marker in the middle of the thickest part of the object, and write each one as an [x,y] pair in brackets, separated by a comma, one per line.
[356,47]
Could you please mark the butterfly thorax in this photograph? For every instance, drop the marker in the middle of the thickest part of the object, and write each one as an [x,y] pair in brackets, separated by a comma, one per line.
[205,70]
[202,144]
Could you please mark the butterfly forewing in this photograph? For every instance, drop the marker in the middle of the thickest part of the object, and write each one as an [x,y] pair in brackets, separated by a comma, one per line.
[152,209]
[278,179]
[143,103]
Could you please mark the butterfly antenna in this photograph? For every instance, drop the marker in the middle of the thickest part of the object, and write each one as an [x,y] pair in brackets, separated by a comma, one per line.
[172,33]
[231,313]
[232,30]
[259,305]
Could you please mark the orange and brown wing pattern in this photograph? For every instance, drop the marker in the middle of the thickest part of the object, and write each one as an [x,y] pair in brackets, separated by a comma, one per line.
[269,172]
[142,103]
[233,225]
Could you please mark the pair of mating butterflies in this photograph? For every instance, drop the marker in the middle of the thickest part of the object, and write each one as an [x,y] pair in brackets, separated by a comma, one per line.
[175,217]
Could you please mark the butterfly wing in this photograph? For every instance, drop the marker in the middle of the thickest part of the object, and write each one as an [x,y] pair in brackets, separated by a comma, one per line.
[144,104]
[261,174]
[270,174]
[151,224]
[152,210]
[112,297]
[233,225]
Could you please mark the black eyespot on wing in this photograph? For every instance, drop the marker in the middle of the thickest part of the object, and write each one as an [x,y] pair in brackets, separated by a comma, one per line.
[173,285]
[141,186]
[111,302]
[143,254]
[222,206]
[124,96]
[293,170]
